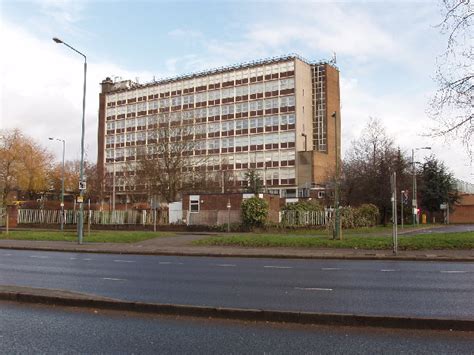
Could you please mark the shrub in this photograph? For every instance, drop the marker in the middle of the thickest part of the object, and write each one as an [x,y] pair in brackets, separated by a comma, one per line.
[254,212]
[301,206]
[364,216]
[368,215]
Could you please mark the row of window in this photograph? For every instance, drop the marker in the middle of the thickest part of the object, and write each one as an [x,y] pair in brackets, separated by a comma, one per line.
[255,105]
[273,177]
[206,80]
[271,86]
[258,141]
[198,129]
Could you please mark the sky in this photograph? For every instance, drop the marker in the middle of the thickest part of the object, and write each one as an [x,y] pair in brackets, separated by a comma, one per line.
[386,53]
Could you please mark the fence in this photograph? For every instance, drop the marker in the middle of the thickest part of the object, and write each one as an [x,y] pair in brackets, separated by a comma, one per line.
[133,217]
[305,218]
[145,217]
[213,217]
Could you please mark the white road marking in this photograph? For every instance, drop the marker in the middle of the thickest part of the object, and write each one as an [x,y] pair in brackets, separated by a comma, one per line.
[330,268]
[124,261]
[453,271]
[7,255]
[39,256]
[165,262]
[226,265]
[87,259]
[278,267]
[313,289]
[72,258]
[112,279]
[388,270]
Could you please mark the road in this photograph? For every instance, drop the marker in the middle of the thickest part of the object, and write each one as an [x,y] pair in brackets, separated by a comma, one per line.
[418,289]
[451,228]
[27,329]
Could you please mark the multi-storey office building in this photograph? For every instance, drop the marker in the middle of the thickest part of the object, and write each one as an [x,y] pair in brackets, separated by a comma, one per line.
[274,115]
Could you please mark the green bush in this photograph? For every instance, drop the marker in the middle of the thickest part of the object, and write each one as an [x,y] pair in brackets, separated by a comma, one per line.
[302,206]
[367,215]
[355,217]
[254,212]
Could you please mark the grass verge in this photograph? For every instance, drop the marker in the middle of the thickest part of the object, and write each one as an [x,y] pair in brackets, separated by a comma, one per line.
[463,240]
[94,237]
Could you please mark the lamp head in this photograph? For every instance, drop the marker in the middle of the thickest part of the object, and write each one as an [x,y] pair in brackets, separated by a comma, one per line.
[57,40]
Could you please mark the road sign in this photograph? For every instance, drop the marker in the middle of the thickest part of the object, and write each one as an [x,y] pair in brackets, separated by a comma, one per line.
[80,199]
[82,185]
[443,206]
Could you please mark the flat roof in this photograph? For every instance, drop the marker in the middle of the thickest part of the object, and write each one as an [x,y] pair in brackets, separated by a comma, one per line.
[222,69]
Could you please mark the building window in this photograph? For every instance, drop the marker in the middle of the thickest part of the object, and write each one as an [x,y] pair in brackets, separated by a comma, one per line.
[194,203]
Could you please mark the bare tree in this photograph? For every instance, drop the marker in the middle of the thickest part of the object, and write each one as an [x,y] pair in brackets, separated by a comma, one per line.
[451,107]
[168,167]
[367,168]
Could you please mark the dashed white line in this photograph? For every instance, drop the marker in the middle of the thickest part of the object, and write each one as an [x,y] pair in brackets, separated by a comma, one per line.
[330,268]
[112,279]
[124,261]
[6,255]
[453,271]
[72,258]
[226,265]
[165,262]
[278,267]
[87,259]
[39,256]
[388,270]
[313,289]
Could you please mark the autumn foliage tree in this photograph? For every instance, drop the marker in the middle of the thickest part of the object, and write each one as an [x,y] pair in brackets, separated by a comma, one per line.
[24,164]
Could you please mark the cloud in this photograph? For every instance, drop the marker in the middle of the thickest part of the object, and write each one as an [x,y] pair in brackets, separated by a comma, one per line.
[42,90]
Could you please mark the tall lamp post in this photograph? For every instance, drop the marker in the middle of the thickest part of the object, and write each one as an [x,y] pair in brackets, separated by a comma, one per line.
[80,231]
[414,202]
[62,181]
[337,226]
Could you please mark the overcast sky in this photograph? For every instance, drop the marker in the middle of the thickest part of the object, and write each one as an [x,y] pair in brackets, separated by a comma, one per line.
[386,53]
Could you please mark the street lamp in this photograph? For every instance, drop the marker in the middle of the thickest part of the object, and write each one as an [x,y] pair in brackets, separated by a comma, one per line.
[337,222]
[81,177]
[62,181]
[413,202]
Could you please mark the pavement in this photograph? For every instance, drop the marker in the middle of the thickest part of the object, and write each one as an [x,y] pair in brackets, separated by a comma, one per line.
[181,245]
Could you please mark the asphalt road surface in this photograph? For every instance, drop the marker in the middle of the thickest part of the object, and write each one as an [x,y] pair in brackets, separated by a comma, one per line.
[419,289]
[451,228]
[27,329]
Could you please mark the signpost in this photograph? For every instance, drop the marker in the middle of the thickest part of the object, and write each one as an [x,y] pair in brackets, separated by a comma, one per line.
[445,207]
[228,215]
[393,183]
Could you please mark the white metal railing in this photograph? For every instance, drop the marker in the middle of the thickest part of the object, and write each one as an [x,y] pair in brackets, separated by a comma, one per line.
[305,218]
[134,217]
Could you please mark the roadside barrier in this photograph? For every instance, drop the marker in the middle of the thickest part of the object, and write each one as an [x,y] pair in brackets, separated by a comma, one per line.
[130,217]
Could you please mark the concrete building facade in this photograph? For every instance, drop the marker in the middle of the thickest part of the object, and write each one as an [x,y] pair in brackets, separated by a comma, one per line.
[274,115]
